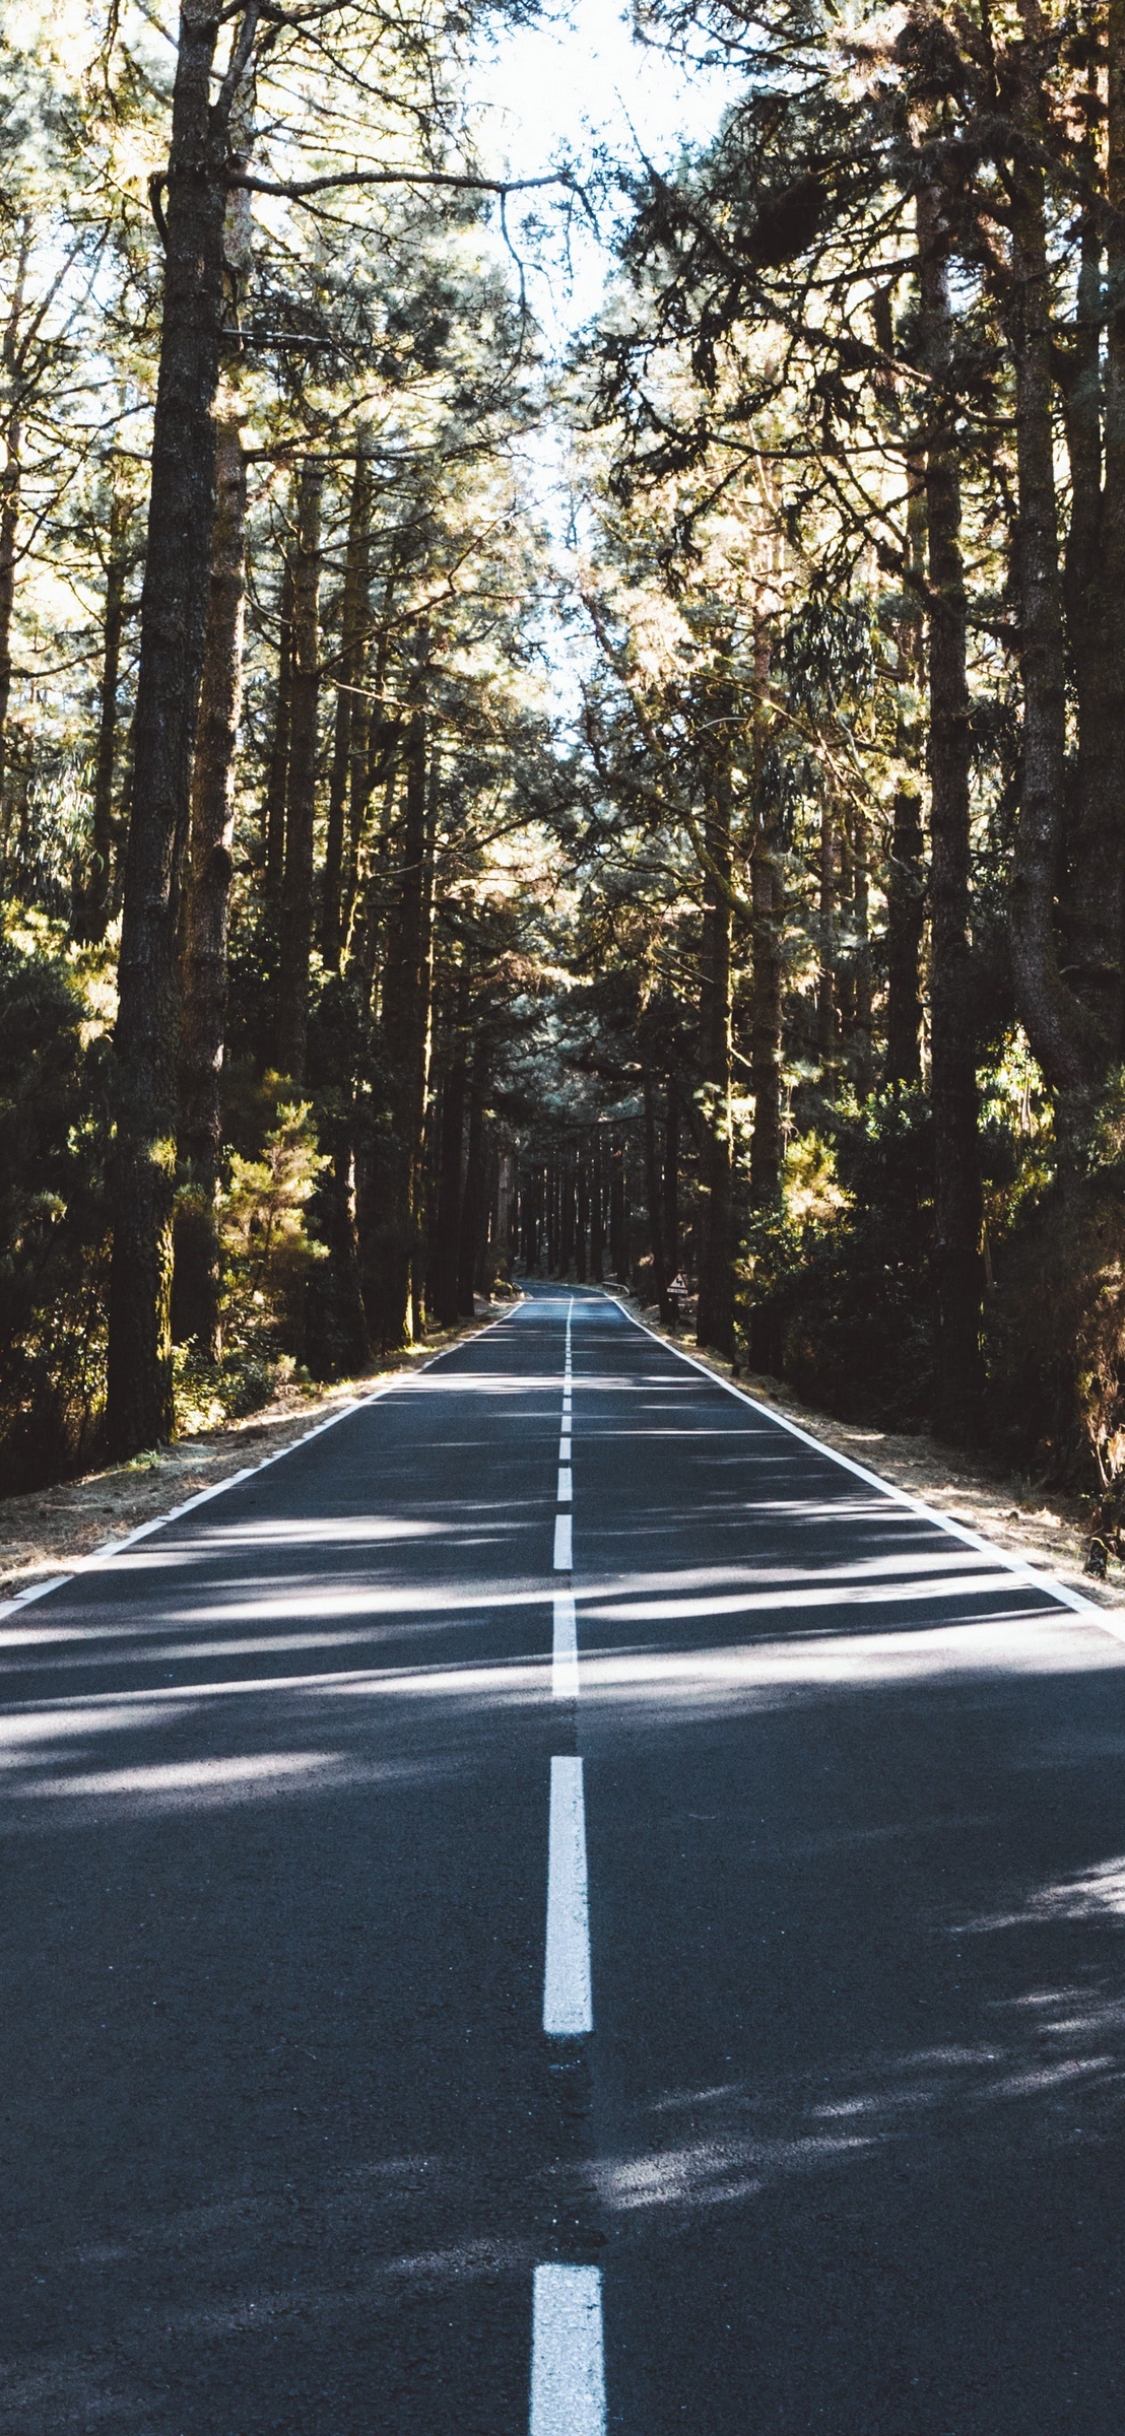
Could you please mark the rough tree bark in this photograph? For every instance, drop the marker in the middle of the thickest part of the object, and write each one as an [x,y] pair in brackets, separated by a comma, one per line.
[97,893]
[906,875]
[451,1160]
[956,1254]
[671,1178]
[655,1198]
[349,668]
[863,1060]
[906,918]
[10,478]
[767,891]
[300,799]
[1062,1034]
[715,1307]
[390,1200]
[826,1024]
[472,1202]
[277,778]
[195,1285]
[173,609]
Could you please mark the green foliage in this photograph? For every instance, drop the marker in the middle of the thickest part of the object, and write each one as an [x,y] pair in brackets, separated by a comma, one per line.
[268,1254]
[54,1254]
[267,1248]
[838,1276]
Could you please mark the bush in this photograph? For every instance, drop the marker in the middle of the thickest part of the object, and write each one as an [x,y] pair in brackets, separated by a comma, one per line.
[54,1219]
[838,1280]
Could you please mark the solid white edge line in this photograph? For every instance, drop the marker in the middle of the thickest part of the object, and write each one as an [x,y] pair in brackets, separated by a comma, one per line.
[567,2352]
[564,1545]
[1025,1573]
[567,1999]
[104,1556]
[564,1648]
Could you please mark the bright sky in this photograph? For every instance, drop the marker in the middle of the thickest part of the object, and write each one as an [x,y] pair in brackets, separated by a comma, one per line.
[568,84]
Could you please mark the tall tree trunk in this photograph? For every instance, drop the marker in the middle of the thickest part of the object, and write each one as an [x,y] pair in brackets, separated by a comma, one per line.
[300,802]
[349,678]
[11,473]
[958,1275]
[618,1217]
[1061,1033]
[655,1199]
[765,1025]
[906,876]
[389,1234]
[97,894]
[195,1287]
[863,1062]
[767,906]
[826,985]
[1093,894]
[422,1045]
[671,1178]
[597,1208]
[277,778]
[173,610]
[568,1212]
[582,1231]
[473,1198]
[715,1309]
[906,917]
[451,1160]
[553,1254]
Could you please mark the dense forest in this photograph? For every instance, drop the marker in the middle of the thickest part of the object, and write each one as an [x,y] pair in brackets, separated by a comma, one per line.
[717,885]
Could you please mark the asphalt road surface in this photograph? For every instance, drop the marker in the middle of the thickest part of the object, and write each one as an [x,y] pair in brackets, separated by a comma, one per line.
[501,1945]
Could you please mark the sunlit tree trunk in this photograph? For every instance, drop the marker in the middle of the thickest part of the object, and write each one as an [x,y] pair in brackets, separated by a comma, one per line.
[906,875]
[863,1059]
[826,985]
[349,677]
[195,1290]
[1060,1031]
[173,612]
[715,1309]
[451,1161]
[277,777]
[906,916]
[472,1203]
[956,1255]
[655,1198]
[10,479]
[300,802]
[97,894]
[389,1236]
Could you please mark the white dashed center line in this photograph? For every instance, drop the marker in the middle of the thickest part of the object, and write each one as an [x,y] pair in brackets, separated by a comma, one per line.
[567,2350]
[568,2010]
[564,1654]
[567,2363]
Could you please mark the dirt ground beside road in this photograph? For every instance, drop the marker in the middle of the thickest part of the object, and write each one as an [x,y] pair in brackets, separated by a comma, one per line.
[48,1529]
[1049,1531]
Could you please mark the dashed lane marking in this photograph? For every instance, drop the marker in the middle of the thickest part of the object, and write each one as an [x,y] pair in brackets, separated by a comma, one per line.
[568,2010]
[567,2353]
[564,1653]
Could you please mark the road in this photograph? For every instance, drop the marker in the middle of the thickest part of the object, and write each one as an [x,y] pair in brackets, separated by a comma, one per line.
[501,1945]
